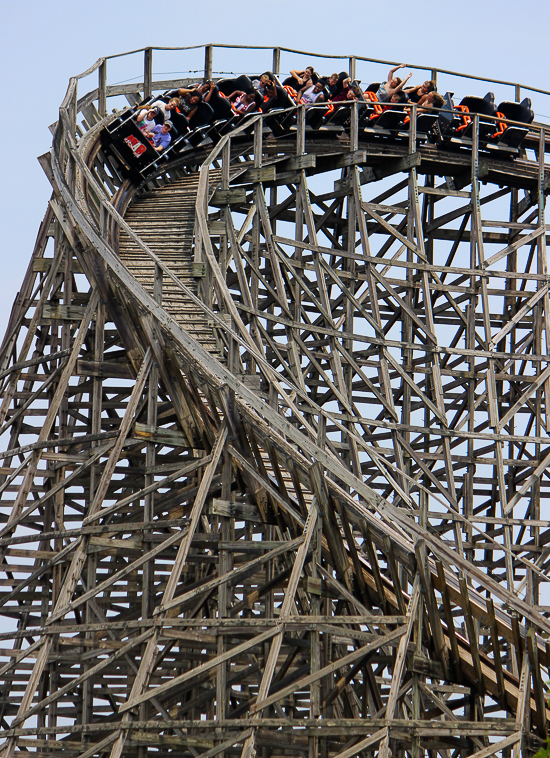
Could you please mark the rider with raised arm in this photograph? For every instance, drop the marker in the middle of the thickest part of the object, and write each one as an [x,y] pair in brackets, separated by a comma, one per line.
[393,85]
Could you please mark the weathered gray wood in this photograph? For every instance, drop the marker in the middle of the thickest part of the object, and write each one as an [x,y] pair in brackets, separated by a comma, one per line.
[372,363]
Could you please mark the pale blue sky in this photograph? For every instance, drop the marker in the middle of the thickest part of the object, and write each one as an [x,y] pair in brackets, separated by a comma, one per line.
[43,44]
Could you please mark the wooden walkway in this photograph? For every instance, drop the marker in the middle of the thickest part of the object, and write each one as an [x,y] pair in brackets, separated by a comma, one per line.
[164,220]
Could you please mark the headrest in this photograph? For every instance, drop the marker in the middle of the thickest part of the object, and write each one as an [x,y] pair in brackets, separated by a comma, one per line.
[517,111]
[482,105]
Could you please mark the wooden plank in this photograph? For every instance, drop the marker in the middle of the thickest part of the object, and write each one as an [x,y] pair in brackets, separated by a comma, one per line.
[177,681]
[363,744]
[160,436]
[104,369]
[251,175]
[226,197]
[513,739]
[472,637]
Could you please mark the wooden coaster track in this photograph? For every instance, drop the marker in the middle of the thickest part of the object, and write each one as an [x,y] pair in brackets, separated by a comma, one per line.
[275,450]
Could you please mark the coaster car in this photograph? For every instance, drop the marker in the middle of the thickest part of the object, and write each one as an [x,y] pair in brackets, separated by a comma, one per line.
[501,130]
[130,147]
[455,123]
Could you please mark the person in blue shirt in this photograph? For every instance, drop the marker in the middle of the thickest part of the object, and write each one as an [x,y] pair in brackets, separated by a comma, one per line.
[159,136]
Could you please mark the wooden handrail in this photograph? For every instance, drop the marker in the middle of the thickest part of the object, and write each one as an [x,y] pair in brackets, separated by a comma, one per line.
[434,70]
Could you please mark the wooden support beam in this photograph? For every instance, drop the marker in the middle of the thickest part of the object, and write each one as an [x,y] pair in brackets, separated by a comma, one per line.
[217,382]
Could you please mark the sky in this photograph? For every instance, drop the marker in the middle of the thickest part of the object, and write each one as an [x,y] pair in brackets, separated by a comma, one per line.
[43,44]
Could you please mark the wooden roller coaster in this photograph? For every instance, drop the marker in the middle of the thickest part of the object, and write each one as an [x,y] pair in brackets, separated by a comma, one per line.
[275,446]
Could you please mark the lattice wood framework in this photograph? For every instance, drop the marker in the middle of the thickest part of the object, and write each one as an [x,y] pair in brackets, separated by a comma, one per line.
[274,478]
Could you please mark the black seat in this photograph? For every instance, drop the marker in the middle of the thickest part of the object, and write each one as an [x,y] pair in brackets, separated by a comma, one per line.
[315,115]
[228,86]
[121,118]
[511,136]
[391,119]
[221,107]
[374,87]
[203,116]
[281,100]
[485,106]
[222,126]
[340,116]
[426,121]
[181,124]
[282,110]
[282,119]
[517,111]
[146,102]
[290,81]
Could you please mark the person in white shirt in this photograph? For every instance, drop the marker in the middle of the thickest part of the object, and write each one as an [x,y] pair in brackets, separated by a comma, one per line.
[310,94]
[145,119]
[167,108]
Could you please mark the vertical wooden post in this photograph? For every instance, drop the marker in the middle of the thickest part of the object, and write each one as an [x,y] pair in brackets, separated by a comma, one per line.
[518,93]
[315,646]
[407,355]
[541,319]
[148,576]
[276,60]
[352,67]
[73,107]
[208,57]
[148,72]
[95,476]
[354,129]
[102,86]
[225,564]
[434,76]
[301,131]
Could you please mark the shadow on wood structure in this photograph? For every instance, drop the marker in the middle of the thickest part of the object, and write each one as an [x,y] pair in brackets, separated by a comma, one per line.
[275,448]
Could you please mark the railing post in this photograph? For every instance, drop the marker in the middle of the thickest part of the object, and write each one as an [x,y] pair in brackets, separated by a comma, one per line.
[73,109]
[208,57]
[102,96]
[518,93]
[352,68]
[276,61]
[354,129]
[148,73]
[301,131]
[412,129]
[434,76]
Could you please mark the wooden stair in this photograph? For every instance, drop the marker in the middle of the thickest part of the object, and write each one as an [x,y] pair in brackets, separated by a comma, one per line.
[164,220]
